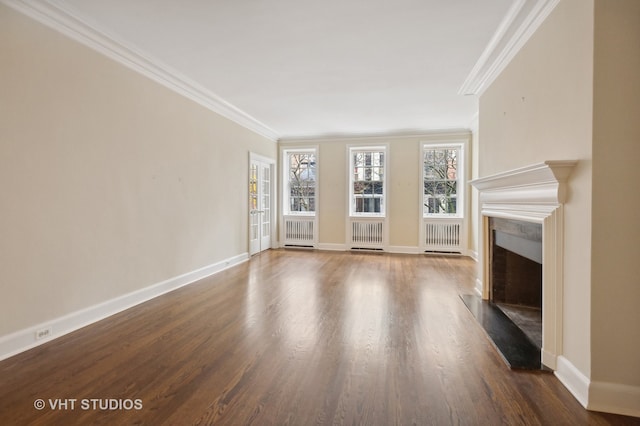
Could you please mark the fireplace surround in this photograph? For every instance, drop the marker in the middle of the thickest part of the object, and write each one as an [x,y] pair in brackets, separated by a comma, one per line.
[533,194]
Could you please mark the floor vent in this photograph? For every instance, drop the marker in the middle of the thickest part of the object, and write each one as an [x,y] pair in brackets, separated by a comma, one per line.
[443,252]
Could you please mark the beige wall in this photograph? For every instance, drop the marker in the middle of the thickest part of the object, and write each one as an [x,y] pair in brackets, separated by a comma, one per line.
[615,288]
[540,108]
[404,174]
[110,182]
[332,175]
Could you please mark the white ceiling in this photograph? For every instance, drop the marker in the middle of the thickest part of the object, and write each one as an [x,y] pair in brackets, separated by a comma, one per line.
[302,68]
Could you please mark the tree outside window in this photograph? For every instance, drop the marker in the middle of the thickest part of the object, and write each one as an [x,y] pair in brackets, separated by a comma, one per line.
[301,182]
[440,181]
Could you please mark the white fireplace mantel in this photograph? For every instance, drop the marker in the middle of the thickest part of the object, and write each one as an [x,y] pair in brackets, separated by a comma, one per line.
[542,183]
[533,193]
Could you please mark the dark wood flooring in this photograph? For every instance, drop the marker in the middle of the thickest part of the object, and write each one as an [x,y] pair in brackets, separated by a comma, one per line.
[293,338]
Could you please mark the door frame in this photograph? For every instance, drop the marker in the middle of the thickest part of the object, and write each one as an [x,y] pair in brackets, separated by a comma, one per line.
[271,162]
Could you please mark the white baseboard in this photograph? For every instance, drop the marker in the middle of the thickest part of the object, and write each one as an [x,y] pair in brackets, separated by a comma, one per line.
[472,254]
[403,249]
[614,398]
[573,379]
[598,396]
[22,340]
[387,249]
[332,247]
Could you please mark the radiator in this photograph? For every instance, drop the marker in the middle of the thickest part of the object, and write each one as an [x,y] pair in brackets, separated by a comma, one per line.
[367,234]
[299,231]
[442,236]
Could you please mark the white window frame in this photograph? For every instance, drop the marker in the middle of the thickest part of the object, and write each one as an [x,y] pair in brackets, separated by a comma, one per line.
[460,178]
[350,175]
[286,190]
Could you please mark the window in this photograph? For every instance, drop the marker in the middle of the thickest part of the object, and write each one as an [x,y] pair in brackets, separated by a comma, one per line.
[300,181]
[367,182]
[442,172]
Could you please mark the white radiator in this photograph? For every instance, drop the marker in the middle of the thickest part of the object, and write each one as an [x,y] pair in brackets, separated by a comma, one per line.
[299,231]
[367,234]
[443,235]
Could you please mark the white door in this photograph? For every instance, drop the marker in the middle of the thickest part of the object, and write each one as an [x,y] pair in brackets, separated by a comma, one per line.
[260,188]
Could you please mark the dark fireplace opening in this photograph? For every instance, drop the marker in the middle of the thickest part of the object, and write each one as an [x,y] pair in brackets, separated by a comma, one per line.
[516,273]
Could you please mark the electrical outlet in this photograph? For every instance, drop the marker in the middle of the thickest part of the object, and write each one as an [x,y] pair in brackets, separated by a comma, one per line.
[43,333]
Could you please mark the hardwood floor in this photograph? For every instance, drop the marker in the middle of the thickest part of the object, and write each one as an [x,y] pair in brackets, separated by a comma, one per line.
[293,337]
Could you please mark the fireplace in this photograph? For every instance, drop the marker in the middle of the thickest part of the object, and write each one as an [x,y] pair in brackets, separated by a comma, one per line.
[522,236]
[515,277]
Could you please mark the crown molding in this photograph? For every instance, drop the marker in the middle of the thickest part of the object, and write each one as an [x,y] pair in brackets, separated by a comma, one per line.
[436,133]
[521,21]
[61,18]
